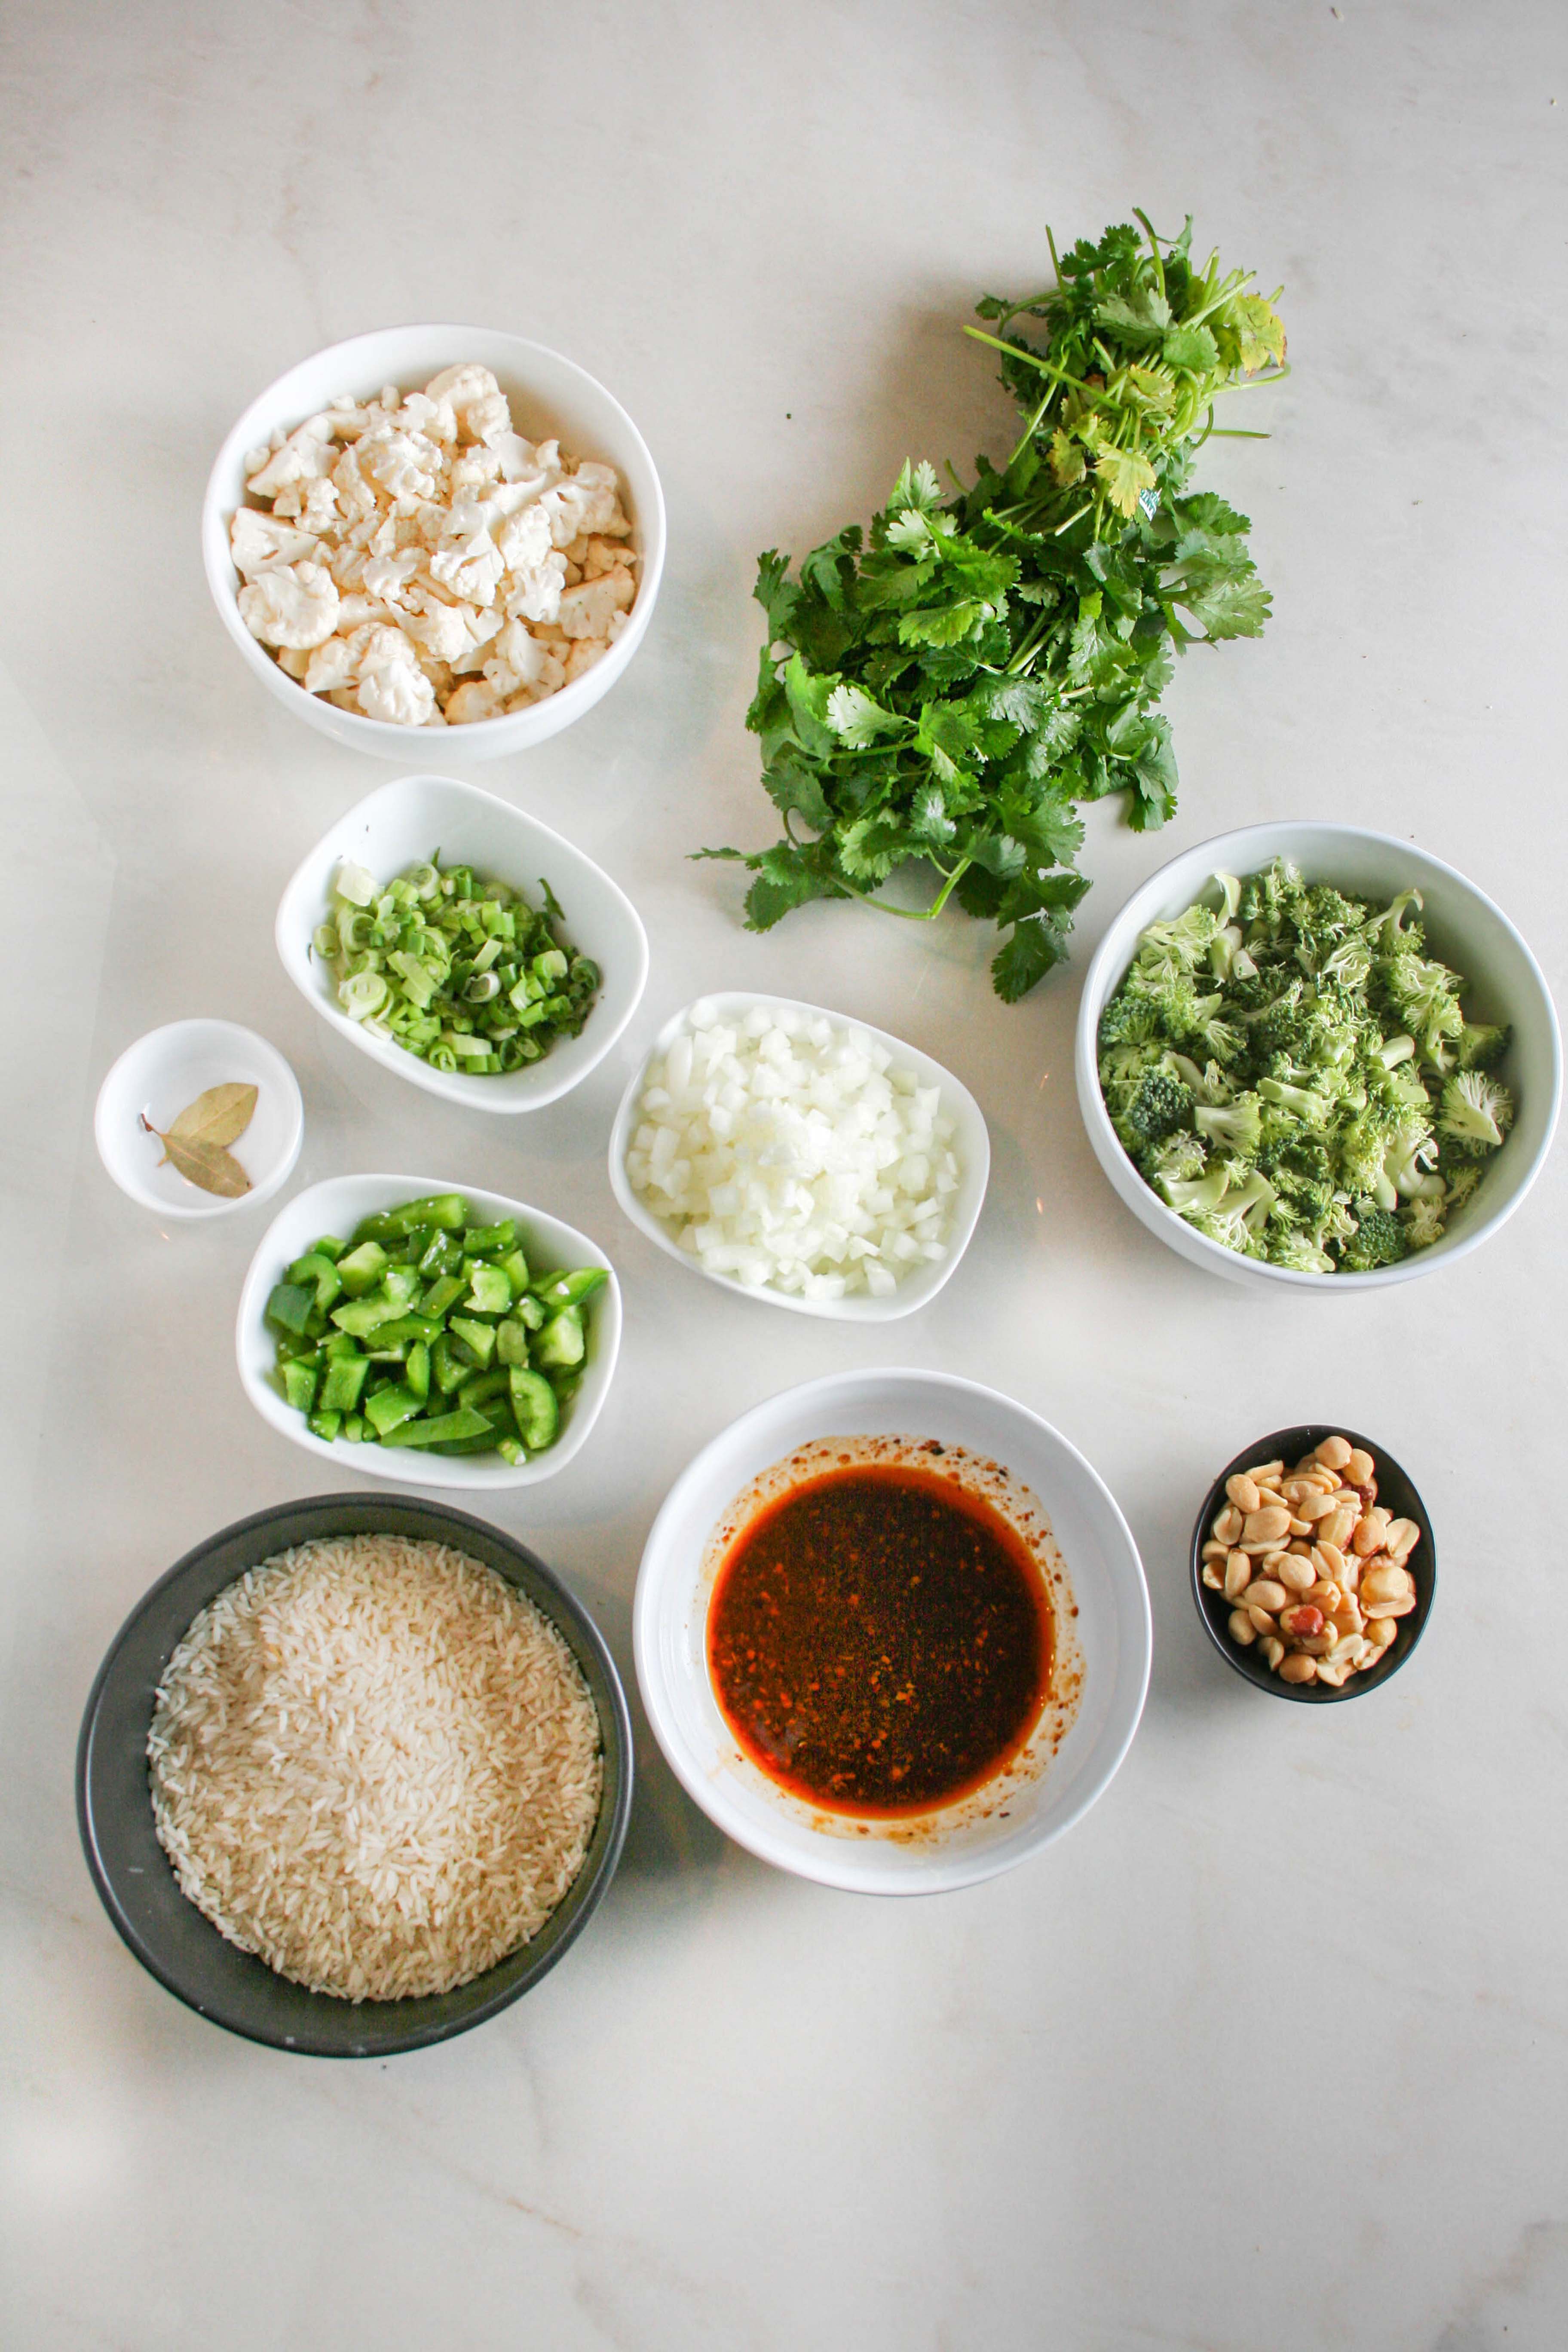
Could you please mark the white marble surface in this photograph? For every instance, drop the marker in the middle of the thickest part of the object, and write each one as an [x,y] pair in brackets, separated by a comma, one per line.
[1272,2050]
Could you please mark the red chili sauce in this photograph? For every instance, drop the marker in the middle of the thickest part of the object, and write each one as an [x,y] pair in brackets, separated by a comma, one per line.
[880,1640]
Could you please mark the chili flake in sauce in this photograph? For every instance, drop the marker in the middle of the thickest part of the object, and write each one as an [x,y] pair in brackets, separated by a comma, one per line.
[880,1640]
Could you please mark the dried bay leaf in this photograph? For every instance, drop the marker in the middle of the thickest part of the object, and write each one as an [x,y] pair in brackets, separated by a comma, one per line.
[218,1115]
[196,1143]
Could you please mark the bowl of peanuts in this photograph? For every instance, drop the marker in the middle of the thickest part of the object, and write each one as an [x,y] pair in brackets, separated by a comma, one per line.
[1313,1564]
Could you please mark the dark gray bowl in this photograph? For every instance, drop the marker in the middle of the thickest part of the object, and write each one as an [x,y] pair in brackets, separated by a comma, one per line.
[130,1870]
[1394,1491]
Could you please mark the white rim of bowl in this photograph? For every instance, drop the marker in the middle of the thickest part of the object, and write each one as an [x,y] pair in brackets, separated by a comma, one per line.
[240,438]
[207,1206]
[1104,1137]
[412,1067]
[702,1788]
[862,1307]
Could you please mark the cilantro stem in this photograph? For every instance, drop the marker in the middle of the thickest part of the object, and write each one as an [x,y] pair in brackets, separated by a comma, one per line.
[1030,358]
[911,914]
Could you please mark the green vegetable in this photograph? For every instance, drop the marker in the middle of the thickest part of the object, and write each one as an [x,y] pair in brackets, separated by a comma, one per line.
[1313,1106]
[372,1352]
[940,694]
[462,973]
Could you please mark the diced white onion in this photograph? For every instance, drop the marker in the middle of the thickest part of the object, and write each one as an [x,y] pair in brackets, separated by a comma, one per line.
[795,1156]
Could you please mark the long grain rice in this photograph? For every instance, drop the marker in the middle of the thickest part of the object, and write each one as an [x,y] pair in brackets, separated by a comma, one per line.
[377,1765]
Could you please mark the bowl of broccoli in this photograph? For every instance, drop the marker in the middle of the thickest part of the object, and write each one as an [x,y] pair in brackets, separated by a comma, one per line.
[1315,1056]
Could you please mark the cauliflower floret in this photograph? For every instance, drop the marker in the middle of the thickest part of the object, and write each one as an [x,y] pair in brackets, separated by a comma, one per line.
[473,699]
[587,610]
[397,691]
[516,661]
[260,542]
[436,418]
[474,470]
[535,593]
[516,457]
[308,451]
[602,555]
[295,662]
[390,576]
[332,664]
[404,464]
[471,567]
[584,655]
[523,538]
[482,625]
[584,503]
[294,606]
[439,630]
[477,400]
[354,493]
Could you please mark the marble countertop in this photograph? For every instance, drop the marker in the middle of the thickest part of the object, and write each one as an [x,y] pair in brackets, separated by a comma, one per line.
[1271,2049]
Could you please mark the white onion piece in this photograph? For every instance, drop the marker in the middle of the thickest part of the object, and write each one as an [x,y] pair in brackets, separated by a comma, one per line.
[794,1155]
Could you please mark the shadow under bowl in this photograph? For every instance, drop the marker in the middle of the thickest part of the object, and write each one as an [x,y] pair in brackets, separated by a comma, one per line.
[1396,1493]
[175,1941]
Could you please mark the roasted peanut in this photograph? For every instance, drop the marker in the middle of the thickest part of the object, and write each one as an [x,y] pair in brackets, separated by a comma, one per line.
[1368,1536]
[1265,1594]
[1381,1630]
[1263,1473]
[1337,1528]
[1334,1452]
[1314,1507]
[1386,1584]
[1359,1467]
[1302,1621]
[1214,1549]
[1298,1574]
[1237,1575]
[1228,1526]
[1211,1576]
[1271,1649]
[1242,1492]
[1296,1667]
[1401,1539]
[1265,1525]
[1260,1619]
[1241,1627]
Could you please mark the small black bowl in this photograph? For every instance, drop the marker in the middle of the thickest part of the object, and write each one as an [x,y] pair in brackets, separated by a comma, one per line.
[130,1870]
[1394,1494]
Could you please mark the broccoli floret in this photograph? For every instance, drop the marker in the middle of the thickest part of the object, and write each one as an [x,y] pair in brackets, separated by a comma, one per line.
[1168,951]
[1130,1018]
[1424,1221]
[1390,929]
[1180,1156]
[1378,1240]
[1236,1127]
[1477,1113]
[1238,1219]
[1305,1104]
[1161,1103]
[1409,1164]
[1482,1046]
[1299,1250]
[1462,1182]
[1191,1198]
[1265,897]
[1425,995]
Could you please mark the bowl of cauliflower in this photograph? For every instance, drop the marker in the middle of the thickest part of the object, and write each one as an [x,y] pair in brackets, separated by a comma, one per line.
[434,527]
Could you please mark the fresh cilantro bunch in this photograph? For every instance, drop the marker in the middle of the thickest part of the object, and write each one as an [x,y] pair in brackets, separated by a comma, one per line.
[941,690]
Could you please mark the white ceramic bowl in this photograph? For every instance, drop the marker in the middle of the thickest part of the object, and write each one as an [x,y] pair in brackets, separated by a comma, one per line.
[1112,1629]
[337,1207]
[548,395]
[1464,929]
[972,1142]
[166,1070]
[404,823]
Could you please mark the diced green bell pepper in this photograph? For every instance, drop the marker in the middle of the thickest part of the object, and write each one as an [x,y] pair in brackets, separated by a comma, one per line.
[443,1294]
[480,1336]
[290,1307]
[418,1372]
[481,1241]
[344,1384]
[490,1292]
[447,1370]
[321,1272]
[388,1407]
[300,1385]
[561,1342]
[440,1429]
[361,1316]
[447,1210]
[326,1425]
[362,1268]
[557,1290]
[511,1342]
[533,1401]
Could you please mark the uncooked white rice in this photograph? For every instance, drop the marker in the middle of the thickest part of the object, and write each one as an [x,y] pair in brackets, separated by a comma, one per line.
[377,1765]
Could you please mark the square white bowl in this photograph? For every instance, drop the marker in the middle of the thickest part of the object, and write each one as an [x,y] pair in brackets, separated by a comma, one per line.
[549,395]
[1503,983]
[1112,1632]
[336,1207]
[972,1143]
[404,824]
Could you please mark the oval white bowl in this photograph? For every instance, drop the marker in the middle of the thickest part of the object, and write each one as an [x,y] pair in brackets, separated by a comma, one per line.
[1112,1627]
[972,1142]
[1464,927]
[337,1206]
[167,1069]
[549,395]
[403,823]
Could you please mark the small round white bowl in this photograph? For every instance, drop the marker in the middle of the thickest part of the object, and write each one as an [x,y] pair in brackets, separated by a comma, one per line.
[1112,1629]
[403,824]
[548,395]
[972,1142]
[337,1206]
[1503,983]
[167,1069]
